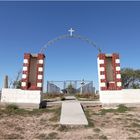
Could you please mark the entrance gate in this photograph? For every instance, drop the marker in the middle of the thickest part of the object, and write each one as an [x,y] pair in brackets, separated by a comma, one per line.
[109,75]
[70,87]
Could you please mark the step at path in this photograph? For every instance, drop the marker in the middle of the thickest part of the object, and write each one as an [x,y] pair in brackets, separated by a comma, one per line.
[72,112]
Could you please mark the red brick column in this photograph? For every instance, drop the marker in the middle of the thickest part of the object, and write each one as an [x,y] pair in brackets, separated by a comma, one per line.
[25,72]
[117,71]
[116,84]
[38,85]
[40,71]
[102,72]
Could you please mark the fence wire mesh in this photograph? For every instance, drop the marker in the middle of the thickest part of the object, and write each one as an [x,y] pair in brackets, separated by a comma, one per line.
[70,87]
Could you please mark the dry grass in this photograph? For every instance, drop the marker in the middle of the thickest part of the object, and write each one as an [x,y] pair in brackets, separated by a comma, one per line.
[113,124]
[121,123]
[87,97]
[52,97]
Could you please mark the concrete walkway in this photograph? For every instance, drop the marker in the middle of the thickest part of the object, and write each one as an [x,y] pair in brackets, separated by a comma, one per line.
[72,113]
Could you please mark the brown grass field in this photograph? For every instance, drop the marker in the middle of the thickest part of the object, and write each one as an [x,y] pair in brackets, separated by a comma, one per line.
[113,124]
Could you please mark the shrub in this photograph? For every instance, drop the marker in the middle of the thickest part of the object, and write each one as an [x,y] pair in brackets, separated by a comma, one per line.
[122,108]
[85,95]
[52,135]
[51,95]
[12,107]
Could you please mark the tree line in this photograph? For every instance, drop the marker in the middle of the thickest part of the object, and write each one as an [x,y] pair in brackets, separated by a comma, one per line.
[130,78]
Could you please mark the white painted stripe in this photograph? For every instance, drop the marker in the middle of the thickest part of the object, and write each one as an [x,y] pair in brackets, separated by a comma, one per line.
[118,76]
[23,84]
[41,61]
[102,76]
[119,84]
[24,68]
[101,61]
[118,68]
[24,76]
[40,69]
[98,72]
[25,61]
[102,85]
[112,82]
[102,69]
[39,84]
[117,60]
[39,77]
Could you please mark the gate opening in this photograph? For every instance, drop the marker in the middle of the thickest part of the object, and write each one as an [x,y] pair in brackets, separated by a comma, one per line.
[70,87]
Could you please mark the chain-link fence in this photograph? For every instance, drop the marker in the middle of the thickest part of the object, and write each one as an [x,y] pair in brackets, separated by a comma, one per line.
[70,87]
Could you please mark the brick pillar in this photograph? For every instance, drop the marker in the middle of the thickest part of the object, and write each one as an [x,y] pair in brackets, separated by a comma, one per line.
[117,71]
[40,71]
[102,72]
[25,72]
[35,71]
[114,84]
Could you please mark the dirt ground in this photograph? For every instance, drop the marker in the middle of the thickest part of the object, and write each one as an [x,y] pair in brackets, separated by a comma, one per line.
[112,124]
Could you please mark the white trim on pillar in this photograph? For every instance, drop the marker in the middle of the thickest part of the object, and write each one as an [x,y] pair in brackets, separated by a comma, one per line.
[102,76]
[102,69]
[24,76]
[101,61]
[102,85]
[40,77]
[117,60]
[25,68]
[118,68]
[118,76]
[39,84]
[23,84]
[40,61]
[40,69]
[25,61]
[119,84]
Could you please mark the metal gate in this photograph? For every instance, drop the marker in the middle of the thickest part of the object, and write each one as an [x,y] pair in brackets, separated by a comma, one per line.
[70,87]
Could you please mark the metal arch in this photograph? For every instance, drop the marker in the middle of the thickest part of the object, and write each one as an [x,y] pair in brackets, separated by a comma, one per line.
[68,36]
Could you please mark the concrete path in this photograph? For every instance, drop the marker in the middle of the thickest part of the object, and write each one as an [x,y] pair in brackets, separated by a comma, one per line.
[70,97]
[72,113]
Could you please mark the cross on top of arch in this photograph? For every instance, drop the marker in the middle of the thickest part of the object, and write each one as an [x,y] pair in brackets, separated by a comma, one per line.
[71,31]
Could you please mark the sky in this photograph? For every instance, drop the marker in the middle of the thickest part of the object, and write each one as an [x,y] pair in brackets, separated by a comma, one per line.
[28,26]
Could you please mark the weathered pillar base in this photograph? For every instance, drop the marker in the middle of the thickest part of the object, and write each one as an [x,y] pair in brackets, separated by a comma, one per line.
[26,98]
[124,96]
